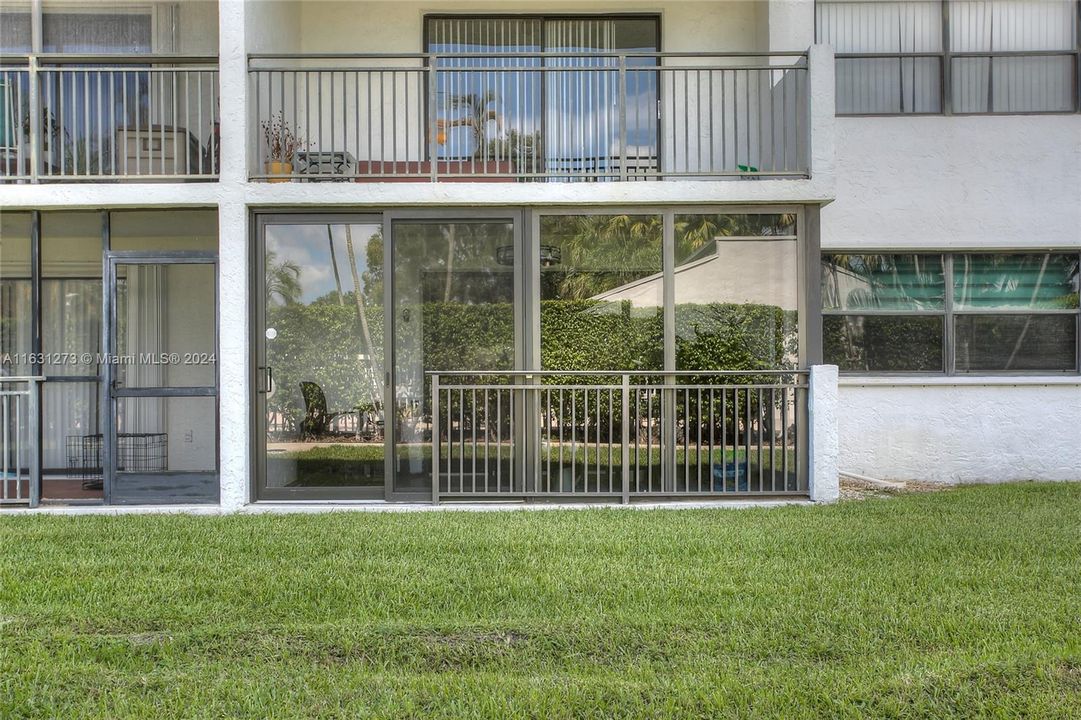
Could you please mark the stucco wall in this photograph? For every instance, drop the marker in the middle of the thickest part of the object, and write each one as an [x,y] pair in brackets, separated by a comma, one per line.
[956,181]
[993,432]
[945,183]
[345,26]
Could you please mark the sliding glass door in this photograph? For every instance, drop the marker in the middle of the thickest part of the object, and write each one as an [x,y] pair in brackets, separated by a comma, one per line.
[455,309]
[320,377]
[541,95]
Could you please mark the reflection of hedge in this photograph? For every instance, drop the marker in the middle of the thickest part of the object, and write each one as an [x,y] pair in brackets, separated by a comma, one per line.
[320,342]
[883,342]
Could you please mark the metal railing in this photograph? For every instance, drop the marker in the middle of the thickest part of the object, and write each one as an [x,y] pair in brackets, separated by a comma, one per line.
[561,435]
[20,472]
[540,117]
[109,117]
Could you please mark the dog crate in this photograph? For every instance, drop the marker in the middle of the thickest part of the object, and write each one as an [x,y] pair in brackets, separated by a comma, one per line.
[135,452]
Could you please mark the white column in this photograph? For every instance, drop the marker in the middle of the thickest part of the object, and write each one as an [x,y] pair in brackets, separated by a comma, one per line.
[234,306]
[823,437]
[823,110]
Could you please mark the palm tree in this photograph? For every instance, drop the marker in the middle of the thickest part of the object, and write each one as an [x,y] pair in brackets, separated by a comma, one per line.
[282,279]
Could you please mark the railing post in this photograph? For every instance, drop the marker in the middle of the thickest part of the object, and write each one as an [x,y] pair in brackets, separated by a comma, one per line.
[435,438]
[622,117]
[625,440]
[433,134]
[35,466]
[34,100]
[823,444]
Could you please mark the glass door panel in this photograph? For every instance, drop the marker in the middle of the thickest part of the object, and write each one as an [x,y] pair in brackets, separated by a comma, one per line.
[322,383]
[454,310]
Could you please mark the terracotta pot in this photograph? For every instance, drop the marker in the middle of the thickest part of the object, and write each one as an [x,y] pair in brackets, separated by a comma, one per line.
[275,167]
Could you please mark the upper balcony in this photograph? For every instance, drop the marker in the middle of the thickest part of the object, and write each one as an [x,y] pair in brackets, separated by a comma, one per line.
[675,91]
[108,91]
[529,116]
[100,118]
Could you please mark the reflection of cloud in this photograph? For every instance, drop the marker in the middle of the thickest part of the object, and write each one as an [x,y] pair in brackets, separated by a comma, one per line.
[309,247]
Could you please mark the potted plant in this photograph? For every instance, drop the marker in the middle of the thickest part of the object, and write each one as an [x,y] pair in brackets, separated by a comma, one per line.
[282,144]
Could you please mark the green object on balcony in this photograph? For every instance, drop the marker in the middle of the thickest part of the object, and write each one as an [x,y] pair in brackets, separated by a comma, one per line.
[747,168]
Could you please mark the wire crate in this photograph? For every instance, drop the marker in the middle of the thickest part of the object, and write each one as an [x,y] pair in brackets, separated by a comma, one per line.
[135,452]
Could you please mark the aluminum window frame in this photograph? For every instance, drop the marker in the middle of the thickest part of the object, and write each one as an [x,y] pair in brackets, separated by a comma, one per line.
[946,57]
[949,313]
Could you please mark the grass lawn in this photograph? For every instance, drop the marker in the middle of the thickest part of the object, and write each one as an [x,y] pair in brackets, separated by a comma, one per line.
[959,603]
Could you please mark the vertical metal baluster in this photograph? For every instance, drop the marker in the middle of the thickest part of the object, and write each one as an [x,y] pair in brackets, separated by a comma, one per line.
[559,488]
[747,432]
[784,433]
[772,441]
[735,432]
[19,446]
[473,432]
[686,438]
[761,443]
[709,465]
[548,451]
[649,438]
[179,149]
[98,117]
[698,447]
[611,421]
[574,444]
[6,445]
[450,436]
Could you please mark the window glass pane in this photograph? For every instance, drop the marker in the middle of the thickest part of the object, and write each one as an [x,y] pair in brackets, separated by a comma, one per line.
[736,300]
[96,32]
[1045,281]
[888,343]
[601,292]
[71,440]
[324,346]
[992,343]
[14,28]
[151,230]
[1013,84]
[71,291]
[889,85]
[453,290]
[882,282]
[15,310]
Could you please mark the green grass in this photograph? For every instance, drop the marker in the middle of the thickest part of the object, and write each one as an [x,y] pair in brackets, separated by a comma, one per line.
[964,603]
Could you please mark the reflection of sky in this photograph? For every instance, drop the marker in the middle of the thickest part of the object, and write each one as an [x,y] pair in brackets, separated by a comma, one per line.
[579,107]
[309,246]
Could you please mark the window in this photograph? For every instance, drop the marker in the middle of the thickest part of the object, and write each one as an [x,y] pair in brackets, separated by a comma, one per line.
[516,115]
[998,56]
[955,313]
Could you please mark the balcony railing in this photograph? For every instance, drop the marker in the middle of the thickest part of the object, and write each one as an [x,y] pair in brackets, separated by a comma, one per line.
[541,117]
[20,477]
[131,117]
[618,435]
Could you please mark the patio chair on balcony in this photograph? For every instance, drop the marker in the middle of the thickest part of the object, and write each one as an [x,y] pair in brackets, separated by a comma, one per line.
[318,421]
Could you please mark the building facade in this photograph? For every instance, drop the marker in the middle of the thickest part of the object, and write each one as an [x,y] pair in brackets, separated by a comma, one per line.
[326,250]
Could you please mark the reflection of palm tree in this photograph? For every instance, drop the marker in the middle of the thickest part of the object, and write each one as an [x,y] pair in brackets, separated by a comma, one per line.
[282,279]
[478,114]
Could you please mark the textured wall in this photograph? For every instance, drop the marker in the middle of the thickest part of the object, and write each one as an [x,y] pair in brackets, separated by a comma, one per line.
[1001,181]
[961,432]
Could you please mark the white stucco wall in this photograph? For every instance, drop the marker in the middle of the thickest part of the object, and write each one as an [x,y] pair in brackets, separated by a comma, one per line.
[942,182]
[968,430]
[950,183]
